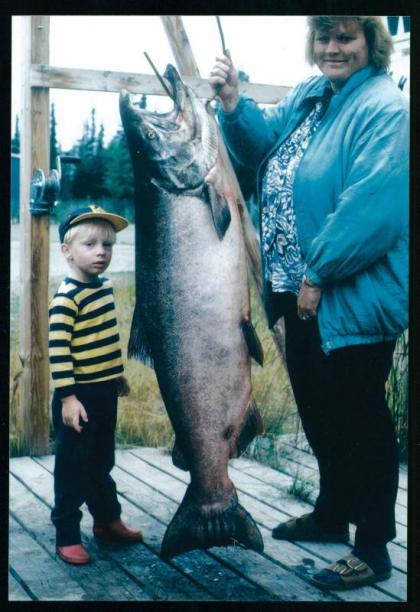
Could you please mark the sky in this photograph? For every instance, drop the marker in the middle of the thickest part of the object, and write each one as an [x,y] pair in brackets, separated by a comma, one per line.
[270,49]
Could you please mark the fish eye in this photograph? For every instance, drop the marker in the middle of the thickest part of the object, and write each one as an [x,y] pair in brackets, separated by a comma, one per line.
[150,134]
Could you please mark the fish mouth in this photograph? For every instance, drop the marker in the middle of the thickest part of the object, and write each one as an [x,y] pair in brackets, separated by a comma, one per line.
[179,90]
[177,148]
[183,106]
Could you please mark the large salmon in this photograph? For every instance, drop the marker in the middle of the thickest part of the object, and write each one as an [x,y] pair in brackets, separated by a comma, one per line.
[192,315]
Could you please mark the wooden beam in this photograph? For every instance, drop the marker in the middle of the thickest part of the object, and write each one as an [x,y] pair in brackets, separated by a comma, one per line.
[42,75]
[187,66]
[180,45]
[33,413]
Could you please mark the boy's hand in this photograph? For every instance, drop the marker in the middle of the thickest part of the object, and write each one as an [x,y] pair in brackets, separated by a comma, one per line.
[123,388]
[72,410]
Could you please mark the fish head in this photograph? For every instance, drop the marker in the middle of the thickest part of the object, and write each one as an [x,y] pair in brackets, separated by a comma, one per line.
[176,149]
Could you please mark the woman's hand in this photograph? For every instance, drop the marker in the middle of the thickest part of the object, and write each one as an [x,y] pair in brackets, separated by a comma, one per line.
[71,412]
[308,300]
[224,81]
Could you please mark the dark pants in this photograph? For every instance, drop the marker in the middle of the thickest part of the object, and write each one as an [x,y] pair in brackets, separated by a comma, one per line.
[83,462]
[341,402]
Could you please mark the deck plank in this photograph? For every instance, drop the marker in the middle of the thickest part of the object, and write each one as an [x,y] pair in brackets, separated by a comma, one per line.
[395,586]
[295,461]
[272,582]
[197,564]
[101,579]
[164,581]
[282,482]
[395,589]
[43,577]
[16,590]
[270,487]
[298,442]
[150,489]
[134,483]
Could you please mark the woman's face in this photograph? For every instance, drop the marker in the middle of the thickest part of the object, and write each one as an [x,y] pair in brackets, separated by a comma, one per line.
[340,52]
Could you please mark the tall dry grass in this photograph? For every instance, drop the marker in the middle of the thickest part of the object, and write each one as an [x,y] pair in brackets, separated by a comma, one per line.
[142,418]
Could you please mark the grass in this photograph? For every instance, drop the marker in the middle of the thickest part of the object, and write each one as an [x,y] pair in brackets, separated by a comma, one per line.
[301,488]
[142,418]
[397,393]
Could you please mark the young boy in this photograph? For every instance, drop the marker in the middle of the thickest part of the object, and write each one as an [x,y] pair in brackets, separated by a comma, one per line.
[86,366]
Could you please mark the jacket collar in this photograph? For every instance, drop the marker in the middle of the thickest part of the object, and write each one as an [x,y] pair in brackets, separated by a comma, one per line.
[323,87]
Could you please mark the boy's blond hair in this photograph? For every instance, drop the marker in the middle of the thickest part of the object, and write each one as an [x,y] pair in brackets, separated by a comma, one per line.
[89,229]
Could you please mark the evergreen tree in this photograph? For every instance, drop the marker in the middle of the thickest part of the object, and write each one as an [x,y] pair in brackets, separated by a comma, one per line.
[89,175]
[54,146]
[15,144]
[98,168]
[119,177]
[80,185]
[91,129]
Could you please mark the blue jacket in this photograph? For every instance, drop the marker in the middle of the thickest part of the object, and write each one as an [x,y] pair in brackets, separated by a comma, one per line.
[350,198]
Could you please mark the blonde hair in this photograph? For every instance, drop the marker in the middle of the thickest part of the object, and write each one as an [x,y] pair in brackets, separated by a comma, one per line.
[89,229]
[378,39]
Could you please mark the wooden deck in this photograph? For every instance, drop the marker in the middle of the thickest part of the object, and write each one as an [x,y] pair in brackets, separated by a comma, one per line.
[150,489]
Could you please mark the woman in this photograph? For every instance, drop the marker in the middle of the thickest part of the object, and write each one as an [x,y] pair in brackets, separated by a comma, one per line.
[332,161]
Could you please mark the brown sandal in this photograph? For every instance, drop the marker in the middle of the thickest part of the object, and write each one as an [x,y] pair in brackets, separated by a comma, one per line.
[350,572]
[306,528]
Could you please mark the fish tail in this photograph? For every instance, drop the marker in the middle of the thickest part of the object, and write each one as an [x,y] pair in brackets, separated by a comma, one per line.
[190,529]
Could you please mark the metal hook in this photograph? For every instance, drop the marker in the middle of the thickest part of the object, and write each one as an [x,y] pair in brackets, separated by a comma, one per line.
[219,25]
[225,52]
[162,82]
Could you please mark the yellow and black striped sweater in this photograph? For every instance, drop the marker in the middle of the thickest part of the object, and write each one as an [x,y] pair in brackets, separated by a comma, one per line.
[84,343]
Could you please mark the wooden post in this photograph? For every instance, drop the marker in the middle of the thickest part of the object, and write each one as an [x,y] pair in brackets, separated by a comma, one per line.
[180,45]
[33,414]
[181,48]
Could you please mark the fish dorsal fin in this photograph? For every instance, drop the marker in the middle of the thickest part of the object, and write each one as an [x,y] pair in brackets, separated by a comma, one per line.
[219,210]
[253,342]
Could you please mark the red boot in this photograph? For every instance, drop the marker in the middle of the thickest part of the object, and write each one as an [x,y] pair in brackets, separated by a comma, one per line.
[117,530]
[74,554]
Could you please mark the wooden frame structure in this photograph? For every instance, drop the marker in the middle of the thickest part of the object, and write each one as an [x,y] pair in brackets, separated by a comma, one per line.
[38,78]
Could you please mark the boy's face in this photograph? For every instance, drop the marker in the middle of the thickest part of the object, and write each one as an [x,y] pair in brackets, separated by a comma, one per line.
[89,252]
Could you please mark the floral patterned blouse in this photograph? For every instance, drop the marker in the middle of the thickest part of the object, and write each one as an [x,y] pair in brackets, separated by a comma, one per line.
[284,265]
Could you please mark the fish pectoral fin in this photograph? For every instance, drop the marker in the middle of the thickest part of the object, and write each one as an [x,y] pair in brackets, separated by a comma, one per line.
[219,210]
[138,344]
[252,426]
[190,529]
[253,342]
[178,458]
